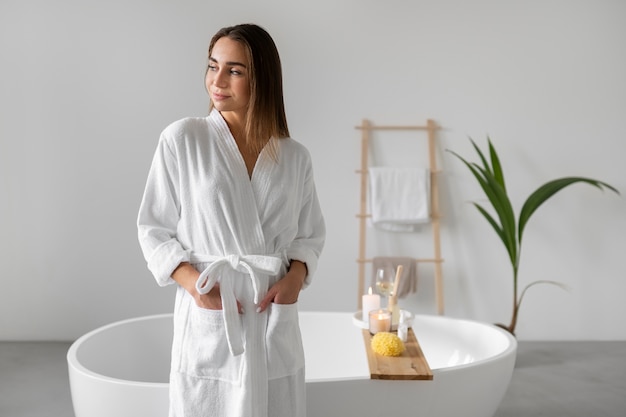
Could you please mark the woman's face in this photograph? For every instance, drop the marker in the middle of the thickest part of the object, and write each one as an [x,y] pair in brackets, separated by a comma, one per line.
[227,78]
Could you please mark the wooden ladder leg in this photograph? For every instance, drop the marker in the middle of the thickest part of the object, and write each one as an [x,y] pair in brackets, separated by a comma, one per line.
[363,209]
[434,201]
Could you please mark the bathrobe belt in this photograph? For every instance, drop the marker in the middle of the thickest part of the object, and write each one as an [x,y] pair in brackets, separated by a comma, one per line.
[248,264]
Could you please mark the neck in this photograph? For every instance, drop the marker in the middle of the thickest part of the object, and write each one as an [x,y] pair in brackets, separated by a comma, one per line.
[236,124]
[235,120]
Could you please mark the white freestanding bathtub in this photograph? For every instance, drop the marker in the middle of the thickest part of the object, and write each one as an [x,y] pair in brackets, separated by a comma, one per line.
[121,370]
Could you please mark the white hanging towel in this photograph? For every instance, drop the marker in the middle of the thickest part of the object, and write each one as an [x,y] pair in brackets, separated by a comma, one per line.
[399,198]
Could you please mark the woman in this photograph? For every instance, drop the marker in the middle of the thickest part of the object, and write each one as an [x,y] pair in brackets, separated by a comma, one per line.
[230,214]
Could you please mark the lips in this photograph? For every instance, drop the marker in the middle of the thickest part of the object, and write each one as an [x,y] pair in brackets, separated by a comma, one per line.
[219,97]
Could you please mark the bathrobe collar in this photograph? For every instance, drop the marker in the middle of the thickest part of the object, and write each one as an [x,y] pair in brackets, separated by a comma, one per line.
[244,183]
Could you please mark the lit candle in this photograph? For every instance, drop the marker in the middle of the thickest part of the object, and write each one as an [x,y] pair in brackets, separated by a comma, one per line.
[380,321]
[370,302]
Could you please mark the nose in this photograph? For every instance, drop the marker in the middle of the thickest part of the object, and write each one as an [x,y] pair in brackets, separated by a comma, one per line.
[218,78]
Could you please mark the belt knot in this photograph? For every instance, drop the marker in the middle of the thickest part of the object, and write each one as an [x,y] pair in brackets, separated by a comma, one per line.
[234,261]
[250,265]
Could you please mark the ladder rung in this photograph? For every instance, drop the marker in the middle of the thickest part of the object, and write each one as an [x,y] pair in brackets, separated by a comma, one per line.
[429,260]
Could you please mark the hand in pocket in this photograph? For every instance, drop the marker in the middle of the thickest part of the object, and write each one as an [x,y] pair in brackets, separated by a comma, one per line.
[213,299]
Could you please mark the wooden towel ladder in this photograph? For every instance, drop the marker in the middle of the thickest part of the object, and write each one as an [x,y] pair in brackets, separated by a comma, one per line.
[431,128]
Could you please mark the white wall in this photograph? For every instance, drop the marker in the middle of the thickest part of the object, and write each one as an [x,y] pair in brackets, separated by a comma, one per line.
[86,87]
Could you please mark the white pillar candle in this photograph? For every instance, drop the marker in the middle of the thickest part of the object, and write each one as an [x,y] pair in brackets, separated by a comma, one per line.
[370,302]
[380,321]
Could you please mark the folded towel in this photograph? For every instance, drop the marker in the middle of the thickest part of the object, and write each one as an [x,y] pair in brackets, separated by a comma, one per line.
[399,198]
[408,279]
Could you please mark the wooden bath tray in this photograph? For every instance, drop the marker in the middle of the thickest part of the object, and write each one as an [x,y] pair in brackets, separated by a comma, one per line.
[411,365]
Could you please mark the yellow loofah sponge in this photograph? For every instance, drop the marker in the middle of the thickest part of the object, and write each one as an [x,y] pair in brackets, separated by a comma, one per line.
[387,344]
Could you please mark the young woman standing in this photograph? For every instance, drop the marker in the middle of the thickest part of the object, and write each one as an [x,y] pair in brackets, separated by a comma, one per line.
[230,214]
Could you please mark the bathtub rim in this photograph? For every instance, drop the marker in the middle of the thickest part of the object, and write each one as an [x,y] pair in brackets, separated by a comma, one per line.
[510,350]
[74,363]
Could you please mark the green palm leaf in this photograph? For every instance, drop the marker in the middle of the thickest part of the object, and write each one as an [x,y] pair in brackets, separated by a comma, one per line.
[486,165]
[500,202]
[511,249]
[502,205]
[495,163]
[543,193]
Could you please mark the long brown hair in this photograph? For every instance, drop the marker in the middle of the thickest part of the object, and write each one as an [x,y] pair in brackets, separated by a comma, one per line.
[265,119]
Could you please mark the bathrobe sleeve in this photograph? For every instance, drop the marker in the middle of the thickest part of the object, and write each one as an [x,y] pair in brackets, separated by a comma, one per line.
[309,241]
[159,213]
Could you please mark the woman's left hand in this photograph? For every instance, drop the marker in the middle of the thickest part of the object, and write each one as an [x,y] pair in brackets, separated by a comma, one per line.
[287,289]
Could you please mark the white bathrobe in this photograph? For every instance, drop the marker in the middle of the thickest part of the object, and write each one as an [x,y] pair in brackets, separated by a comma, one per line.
[200,206]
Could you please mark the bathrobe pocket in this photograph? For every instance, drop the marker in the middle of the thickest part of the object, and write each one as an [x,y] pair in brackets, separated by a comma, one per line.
[285,354]
[205,352]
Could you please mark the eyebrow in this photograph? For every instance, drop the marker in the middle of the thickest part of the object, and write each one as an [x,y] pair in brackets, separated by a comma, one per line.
[230,63]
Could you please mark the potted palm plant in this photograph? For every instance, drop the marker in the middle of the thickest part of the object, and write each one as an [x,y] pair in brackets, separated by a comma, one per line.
[510,229]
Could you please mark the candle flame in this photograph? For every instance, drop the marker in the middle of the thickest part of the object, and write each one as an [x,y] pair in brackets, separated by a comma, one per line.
[369,291]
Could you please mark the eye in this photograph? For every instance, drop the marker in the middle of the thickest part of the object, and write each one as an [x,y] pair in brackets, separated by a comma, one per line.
[212,67]
[234,71]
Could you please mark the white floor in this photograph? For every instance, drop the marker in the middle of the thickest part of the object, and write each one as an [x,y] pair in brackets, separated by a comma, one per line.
[551,379]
